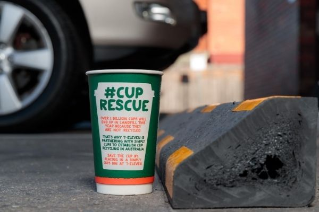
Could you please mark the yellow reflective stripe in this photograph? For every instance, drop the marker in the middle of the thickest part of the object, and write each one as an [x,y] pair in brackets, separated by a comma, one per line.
[209,108]
[253,103]
[160,146]
[160,132]
[172,163]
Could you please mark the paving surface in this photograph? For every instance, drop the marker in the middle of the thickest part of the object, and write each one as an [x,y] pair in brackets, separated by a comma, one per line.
[54,172]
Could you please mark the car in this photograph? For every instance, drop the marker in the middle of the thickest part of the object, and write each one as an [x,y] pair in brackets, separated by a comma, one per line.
[46,46]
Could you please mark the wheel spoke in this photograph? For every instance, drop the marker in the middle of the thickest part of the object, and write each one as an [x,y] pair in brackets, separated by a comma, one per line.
[10,20]
[37,59]
[9,100]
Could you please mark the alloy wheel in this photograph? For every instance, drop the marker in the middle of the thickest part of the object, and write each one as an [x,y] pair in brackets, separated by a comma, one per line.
[26,58]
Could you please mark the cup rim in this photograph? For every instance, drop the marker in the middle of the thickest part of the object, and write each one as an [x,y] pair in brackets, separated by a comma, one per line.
[124,71]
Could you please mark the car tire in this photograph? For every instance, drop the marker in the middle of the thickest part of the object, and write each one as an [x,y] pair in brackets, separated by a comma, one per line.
[58,105]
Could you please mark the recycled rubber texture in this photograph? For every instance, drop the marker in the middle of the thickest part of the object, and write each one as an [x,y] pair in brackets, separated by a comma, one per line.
[265,157]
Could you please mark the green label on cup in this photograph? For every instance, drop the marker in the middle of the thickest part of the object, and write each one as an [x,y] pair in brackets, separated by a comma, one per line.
[124,118]
[124,112]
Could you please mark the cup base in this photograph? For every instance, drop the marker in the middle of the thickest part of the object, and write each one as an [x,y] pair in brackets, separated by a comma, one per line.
[124,189]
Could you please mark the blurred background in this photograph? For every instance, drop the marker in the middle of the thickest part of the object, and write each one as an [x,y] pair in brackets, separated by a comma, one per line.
[211,51]
[214,71]
[253,48]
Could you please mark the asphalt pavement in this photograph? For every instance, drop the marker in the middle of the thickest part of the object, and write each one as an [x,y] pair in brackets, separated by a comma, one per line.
[54,172]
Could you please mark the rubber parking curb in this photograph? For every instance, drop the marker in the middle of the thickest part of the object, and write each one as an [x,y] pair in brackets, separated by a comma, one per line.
[257,153]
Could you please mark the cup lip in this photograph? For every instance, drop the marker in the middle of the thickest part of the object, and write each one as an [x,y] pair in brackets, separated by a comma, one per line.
[124,71]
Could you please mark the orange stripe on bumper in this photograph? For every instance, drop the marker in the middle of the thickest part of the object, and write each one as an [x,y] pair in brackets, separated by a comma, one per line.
[209,108]
[172,163]
[124,181]
[160,146]
[160,133]
[253,103]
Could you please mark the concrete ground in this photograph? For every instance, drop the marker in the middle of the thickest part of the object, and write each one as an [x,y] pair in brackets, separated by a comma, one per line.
[54,172]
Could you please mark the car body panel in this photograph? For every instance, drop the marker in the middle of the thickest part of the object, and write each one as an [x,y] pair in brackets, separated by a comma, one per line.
[121,25]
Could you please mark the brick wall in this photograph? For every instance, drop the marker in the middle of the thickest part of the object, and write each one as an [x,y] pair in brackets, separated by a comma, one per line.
[226,31]
[280,47]
[203,43]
